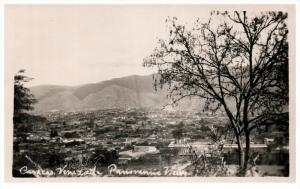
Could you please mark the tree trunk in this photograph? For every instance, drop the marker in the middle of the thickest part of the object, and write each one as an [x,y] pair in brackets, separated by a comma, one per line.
[244,153]
[247,134]
[241,153]
[247,150]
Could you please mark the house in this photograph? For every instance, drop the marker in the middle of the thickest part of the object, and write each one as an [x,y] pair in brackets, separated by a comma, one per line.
[124,160]
[139,151]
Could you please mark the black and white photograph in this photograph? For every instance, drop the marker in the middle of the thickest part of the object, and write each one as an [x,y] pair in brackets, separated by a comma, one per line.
[135,91]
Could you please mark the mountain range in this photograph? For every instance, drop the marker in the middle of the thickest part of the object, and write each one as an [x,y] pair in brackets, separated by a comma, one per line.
[126,92]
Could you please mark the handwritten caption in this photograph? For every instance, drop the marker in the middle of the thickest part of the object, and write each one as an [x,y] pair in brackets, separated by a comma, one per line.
[112,170]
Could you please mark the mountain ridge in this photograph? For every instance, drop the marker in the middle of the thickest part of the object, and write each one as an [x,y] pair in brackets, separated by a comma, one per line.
[134,91]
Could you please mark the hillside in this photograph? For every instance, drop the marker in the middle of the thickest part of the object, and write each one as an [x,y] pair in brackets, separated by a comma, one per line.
[127,92]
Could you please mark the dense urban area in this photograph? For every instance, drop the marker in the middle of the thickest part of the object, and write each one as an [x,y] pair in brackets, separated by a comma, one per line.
[117,142]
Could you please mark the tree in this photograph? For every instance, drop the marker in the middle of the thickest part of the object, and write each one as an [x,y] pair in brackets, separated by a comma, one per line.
[177,134]
[237,62]
[23,99]
[105,157]
[54,133]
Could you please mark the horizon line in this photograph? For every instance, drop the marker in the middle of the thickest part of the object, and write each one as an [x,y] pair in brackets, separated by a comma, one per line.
[77,85]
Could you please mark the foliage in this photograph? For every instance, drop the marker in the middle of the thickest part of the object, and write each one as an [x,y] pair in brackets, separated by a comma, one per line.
[177,134]
[23,99]
[53,133]
[235,61]
[104,157]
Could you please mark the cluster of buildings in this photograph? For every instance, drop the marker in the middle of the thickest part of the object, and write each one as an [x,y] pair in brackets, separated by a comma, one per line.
[129,138]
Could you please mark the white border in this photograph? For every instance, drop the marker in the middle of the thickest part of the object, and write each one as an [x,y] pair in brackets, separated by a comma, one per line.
[149,1]
[2,92]
[148,185]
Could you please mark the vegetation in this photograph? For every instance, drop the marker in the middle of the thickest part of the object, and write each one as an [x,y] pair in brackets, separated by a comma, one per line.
[237,62]
[23,99]
[177,134]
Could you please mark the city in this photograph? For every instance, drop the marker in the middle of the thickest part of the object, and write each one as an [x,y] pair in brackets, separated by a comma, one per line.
[167,143]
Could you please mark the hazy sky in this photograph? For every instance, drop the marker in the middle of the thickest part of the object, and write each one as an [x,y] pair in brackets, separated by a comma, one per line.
[72,45]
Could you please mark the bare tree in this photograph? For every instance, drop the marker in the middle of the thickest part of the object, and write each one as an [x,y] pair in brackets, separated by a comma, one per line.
[237,62]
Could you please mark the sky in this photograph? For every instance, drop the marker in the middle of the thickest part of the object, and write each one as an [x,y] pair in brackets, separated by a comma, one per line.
[79,44]
[76,44]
